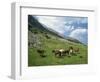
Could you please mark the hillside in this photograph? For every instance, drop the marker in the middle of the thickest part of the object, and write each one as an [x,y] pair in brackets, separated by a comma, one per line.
[42,38]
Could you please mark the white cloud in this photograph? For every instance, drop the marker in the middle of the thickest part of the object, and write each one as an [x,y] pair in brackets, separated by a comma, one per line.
[56,23]
[79,34]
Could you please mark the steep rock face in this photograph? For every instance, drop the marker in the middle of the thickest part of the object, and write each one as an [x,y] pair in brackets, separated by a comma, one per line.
[33,23]
[33,40]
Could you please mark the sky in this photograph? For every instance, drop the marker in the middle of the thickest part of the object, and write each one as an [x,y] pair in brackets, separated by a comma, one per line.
[69,26]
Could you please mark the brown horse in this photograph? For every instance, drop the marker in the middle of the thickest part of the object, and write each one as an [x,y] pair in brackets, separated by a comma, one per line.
[71,50]
[56,52]
[60,52]
[76,50]
[63,52]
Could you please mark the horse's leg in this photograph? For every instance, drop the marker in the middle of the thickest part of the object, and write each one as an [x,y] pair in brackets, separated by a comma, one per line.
[62,54]
[69,53]
[55,54]
[59,54]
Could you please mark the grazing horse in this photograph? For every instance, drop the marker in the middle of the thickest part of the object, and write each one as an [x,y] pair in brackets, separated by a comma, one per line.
[56,52]
[66,52]
[76,50]
[71,50]
[60,52]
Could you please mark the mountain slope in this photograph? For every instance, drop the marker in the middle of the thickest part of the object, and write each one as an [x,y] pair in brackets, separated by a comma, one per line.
[32,22]
[73,40]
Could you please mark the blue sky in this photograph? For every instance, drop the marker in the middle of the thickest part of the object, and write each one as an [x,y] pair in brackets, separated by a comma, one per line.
[69,26]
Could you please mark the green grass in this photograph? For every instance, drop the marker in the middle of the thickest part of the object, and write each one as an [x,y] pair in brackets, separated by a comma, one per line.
[34,58]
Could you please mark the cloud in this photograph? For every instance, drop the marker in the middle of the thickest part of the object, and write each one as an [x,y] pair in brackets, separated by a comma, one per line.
[56,23]
[79,34]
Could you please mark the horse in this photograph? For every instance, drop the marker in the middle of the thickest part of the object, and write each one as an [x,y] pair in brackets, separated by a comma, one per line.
[60,52]
[71,50]
[76,50]
[56,52]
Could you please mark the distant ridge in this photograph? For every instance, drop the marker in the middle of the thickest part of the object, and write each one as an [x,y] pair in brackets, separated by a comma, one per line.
[73,40]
